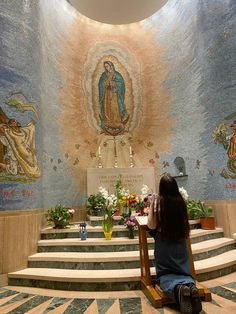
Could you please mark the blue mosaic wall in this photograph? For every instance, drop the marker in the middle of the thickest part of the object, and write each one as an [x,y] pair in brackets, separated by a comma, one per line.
[199,44]
[20,79]
[201,40]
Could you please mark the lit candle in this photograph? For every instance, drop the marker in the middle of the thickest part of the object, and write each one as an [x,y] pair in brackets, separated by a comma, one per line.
[99,150]
[130,150]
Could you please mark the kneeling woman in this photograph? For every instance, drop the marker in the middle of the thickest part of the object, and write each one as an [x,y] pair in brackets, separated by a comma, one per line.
[168,224]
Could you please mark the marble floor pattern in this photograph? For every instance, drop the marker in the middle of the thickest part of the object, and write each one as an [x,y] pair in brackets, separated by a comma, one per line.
[20,300]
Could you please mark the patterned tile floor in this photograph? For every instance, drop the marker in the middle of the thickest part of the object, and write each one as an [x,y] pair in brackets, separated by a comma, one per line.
[20,300]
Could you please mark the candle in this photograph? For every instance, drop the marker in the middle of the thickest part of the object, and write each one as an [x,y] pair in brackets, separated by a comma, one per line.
[130,150]
[99,150]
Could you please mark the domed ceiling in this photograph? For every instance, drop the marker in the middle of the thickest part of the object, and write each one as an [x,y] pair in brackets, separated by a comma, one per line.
[117,11]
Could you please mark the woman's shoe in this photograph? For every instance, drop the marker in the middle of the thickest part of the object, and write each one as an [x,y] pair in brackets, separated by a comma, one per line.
[195,300]
[185,300]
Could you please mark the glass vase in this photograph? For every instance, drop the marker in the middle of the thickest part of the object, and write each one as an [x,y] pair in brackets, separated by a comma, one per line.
[131,233]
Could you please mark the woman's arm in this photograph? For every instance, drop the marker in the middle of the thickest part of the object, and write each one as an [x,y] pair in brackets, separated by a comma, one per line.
[153,213]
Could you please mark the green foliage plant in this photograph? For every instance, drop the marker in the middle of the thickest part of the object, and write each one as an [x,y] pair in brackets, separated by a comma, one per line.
[197,209]
[193,207]
[203,211]
[95,204]
[107,223]
[58,216]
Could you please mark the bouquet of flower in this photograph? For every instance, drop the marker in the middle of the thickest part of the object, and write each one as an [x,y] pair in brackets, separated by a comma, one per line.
[59,216]
[110,200]
[95,204]
[131,222]
[133,202]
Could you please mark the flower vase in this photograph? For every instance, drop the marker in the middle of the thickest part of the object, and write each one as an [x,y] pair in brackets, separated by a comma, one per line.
[57,225]
[108,235]
[131,233]
[83,235]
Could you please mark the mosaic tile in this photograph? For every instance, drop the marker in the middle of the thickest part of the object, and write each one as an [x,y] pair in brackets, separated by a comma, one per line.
[215,252]
[29,305]
[225,293]
[215,303]
[18,297]
[7,293]
[104,304]
[76,286]
[56,302]
[78,306]
[230,285]
[130,306]
[84,265]
[207,237]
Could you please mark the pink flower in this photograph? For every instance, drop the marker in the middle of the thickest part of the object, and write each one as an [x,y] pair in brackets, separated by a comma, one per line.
[71,210]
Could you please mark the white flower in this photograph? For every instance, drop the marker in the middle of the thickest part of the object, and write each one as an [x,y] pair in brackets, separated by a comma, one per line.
[104,192]
[184,193]
[144,190]
[111,200]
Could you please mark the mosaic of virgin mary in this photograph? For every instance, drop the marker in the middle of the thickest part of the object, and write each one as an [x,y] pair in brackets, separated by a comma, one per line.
[113,114]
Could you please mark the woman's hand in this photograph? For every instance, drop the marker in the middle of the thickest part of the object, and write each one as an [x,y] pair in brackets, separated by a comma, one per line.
[152,215]
[154,201]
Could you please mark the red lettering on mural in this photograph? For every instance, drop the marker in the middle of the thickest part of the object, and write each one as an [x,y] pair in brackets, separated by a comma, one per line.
[6,194]
[9,194]
[230,186]
[26,193]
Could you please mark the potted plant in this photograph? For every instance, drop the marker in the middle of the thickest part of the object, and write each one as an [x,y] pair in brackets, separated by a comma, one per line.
[58,216]
[193,208]
[96,204]
[107,224]
[131,225]
[205,214]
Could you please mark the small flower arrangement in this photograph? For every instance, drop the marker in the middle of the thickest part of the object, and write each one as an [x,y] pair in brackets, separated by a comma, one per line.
[58,216]
[110,200]
[133,202]
[96,204]
[82,227]
[83,231]
[131,224]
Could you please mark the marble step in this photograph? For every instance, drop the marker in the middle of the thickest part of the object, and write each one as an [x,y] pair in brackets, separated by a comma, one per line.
[213,247]
[117,260]
[73,232]
[115,244]
[199,235]
[216,266]
[93,231]
[121,279]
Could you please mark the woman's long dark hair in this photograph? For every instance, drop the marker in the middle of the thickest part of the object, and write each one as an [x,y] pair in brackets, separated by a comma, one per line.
[173,218]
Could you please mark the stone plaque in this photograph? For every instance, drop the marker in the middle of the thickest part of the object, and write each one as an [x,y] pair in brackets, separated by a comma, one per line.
[132,179]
